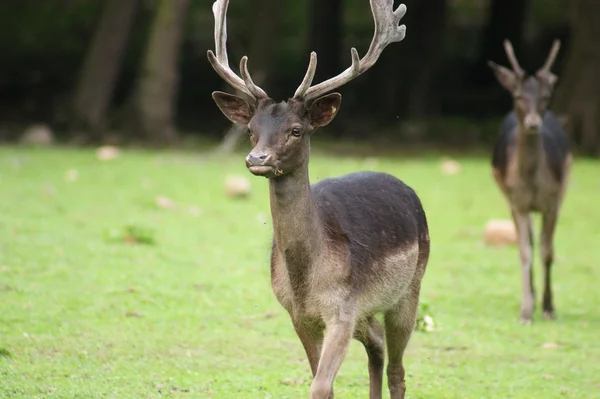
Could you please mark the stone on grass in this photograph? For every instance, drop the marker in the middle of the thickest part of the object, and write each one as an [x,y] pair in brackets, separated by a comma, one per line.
[107,152]
[449,167]
[237,186]
[38,134]
[500,232]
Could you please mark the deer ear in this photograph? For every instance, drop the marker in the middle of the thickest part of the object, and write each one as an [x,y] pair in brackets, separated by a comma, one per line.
[236,109]
[324,109]
[507,78]
[548,78]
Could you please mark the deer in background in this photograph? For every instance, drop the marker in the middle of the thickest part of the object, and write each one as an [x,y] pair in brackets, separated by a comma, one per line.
[344,249]
[531,164]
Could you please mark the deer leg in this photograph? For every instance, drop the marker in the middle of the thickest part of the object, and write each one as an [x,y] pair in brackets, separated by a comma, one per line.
[524,228]
[548,226]
[399,325]
[312,340]
[338,335]
[373,341]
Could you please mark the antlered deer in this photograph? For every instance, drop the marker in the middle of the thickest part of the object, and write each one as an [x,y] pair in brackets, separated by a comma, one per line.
[531,164]
[346,248]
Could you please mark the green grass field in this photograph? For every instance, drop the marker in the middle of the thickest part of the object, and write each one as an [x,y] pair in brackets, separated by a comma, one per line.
[189,312]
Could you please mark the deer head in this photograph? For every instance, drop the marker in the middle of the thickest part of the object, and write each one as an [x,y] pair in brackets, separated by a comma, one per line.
[531,94]
[280,132]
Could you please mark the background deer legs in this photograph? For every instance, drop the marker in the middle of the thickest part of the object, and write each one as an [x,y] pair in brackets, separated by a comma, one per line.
[523,224]
[548,225]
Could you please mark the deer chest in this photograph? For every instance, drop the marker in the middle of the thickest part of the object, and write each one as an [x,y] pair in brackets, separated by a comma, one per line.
[532,190]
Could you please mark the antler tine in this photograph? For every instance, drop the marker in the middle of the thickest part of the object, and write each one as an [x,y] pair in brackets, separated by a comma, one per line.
[387,31]
[308,78]
[256,91]
[510,53]
[220,63]
[551,58]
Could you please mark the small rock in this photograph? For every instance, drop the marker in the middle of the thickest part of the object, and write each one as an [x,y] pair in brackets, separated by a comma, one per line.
[500,233]
[164,202]
[107,152]
[38,134]
[71,175]
[237,186]
[450,167]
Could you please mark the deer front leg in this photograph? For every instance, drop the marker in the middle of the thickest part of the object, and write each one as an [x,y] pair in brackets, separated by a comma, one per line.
[548,226]
[525,236]
[312,339]
[338,335]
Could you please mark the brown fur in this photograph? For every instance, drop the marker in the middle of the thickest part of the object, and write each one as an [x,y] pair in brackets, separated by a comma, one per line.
[531,166]
[345,248]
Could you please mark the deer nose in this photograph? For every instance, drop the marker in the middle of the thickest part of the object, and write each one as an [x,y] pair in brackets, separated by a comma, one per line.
[256,159]
[533,121]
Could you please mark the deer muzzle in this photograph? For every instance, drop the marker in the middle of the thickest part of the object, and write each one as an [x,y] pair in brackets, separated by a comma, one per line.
[532,122]
[259,164]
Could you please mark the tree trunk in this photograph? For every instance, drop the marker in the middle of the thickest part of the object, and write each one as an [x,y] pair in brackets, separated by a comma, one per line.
[578,93]
[100,70]
[506,20]
[154,98]
[325,36]
[428,49]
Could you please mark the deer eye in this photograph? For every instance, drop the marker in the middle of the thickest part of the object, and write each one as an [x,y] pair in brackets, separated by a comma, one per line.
[296,132]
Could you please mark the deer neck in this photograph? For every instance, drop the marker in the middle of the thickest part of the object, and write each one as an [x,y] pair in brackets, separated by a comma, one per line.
[297,226]
[529,151]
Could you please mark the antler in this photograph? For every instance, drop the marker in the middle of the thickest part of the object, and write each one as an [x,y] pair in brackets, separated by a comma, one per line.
[220,62]
[386,31]
[544,70]
[510,53]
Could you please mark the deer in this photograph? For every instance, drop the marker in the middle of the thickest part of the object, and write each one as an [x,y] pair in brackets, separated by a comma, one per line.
[531,163]
[346,248]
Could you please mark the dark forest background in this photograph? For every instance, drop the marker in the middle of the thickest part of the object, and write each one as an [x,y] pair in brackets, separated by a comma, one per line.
[136,70]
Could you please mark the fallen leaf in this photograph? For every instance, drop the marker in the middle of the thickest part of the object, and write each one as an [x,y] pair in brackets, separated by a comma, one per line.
[71,175]
[194,211]
[164,202]
[293,381]
[550,345]
[133,313]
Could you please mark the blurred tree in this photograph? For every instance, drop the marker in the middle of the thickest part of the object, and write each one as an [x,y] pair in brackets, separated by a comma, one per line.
[153,103]
[100,69]
[506,20]
[579,92]
[410,69]
[325,37]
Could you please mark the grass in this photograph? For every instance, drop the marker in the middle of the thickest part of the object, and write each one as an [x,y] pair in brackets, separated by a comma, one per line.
[105,294]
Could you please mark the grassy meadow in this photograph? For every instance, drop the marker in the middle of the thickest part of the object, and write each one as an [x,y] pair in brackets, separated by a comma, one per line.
[139,278]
